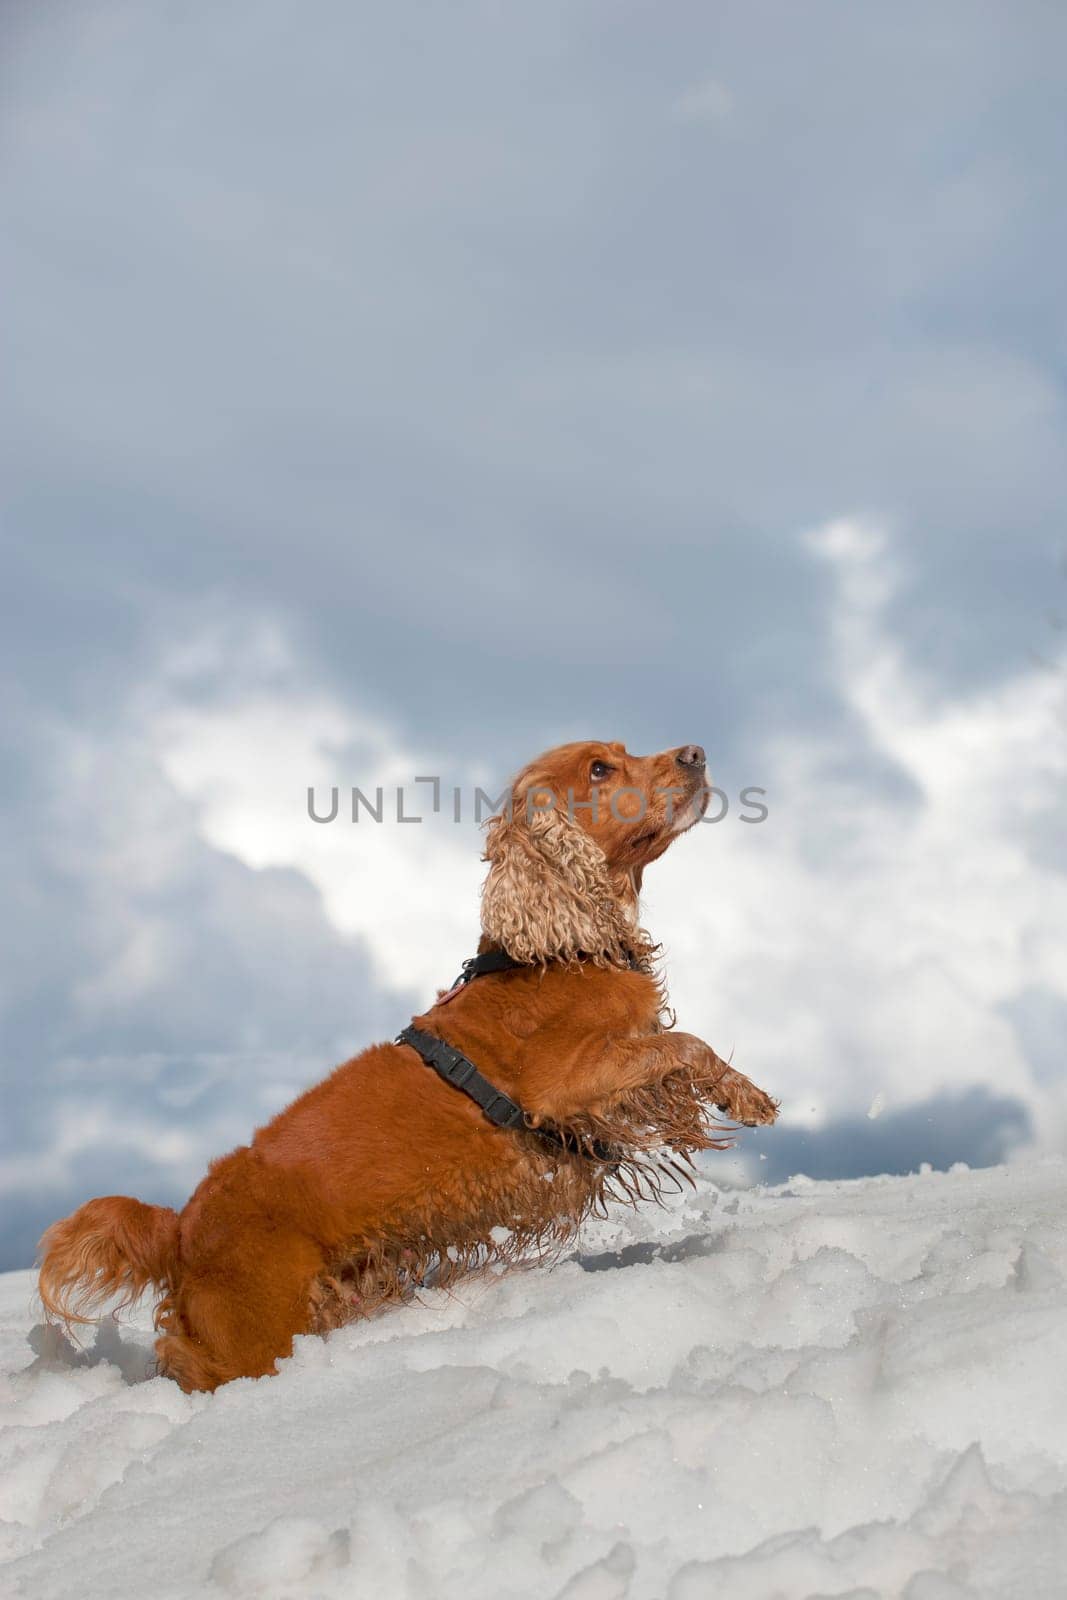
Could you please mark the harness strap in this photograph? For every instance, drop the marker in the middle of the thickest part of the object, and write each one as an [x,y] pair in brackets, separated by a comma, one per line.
[458,1070]
[501,1110]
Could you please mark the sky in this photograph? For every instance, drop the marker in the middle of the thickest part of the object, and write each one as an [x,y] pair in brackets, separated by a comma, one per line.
[403,390]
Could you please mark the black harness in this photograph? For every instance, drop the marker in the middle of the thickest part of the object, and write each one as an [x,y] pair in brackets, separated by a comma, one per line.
[459,1070]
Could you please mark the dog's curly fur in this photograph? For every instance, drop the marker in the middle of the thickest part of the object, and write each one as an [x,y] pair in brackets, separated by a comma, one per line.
[382,1178]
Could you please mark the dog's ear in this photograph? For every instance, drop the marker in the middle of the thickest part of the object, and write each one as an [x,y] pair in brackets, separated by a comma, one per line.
[549,895]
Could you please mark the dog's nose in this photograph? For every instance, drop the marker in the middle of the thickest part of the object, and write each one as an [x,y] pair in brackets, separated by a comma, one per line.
[691,755]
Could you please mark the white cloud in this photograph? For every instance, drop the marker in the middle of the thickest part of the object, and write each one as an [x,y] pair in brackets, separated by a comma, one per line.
[409,889]
[863,941]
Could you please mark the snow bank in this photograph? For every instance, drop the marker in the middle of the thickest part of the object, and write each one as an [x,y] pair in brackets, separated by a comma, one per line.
[826,1389]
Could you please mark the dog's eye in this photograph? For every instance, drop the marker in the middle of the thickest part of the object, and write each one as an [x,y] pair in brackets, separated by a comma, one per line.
[598,770]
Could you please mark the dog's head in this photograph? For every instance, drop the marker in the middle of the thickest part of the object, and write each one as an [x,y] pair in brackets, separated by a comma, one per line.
[566,856]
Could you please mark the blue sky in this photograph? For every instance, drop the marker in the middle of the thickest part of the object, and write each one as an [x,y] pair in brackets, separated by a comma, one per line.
[395,390]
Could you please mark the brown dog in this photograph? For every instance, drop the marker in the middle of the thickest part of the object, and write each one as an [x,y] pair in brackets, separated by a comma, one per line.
[383,1176]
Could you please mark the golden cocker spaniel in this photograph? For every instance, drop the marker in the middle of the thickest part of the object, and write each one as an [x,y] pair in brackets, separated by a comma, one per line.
[549,1080]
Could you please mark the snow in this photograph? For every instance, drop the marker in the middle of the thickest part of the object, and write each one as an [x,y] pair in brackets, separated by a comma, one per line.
[823,1389]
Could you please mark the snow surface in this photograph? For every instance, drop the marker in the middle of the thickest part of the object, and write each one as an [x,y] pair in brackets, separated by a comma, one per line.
[822,1389]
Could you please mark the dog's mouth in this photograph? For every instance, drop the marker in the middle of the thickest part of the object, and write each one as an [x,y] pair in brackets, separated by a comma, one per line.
[679,818]
[692,810]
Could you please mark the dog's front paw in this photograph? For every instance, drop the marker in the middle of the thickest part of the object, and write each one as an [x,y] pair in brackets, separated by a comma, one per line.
[743,1102]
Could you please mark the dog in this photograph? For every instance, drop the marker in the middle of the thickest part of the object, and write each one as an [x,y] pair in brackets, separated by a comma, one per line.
[393,1173]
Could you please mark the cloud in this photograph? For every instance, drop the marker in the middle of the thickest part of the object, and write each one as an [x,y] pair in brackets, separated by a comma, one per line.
[886,937]
[160,997]
[245,761]
[972,1125]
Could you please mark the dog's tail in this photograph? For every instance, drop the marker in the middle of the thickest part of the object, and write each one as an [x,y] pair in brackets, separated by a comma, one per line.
[109,1248]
